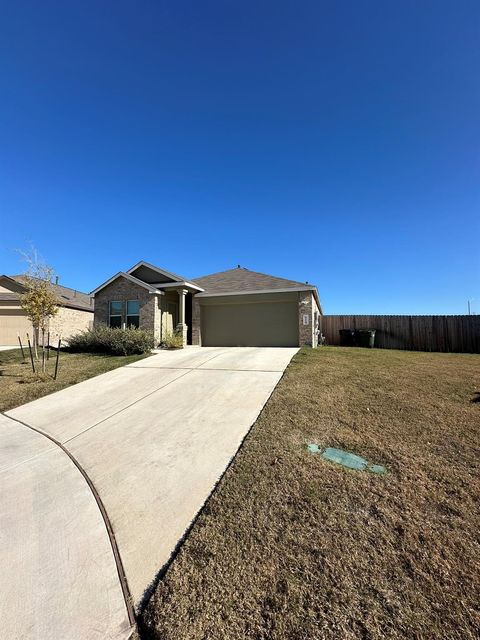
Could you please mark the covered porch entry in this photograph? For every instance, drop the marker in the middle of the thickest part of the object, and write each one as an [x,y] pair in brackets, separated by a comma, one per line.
[176,313]
[175,303]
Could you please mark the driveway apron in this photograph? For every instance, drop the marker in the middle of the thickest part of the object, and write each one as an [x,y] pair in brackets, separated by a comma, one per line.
[153,439]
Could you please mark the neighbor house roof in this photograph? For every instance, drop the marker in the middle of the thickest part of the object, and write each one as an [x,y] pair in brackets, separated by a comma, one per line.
[241,280]
[67,297]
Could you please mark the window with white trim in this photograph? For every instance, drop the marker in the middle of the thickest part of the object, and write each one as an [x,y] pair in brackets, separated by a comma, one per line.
[133,313]
[116,312]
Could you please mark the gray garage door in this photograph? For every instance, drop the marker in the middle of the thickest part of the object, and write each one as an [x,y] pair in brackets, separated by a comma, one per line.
[265,324]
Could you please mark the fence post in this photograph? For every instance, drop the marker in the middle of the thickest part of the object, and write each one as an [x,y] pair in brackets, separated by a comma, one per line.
[21,346]
[43,350]
[56,361]
[31,354]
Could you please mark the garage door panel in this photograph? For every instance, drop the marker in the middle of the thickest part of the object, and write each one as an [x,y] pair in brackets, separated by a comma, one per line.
[273,324]
[12,323]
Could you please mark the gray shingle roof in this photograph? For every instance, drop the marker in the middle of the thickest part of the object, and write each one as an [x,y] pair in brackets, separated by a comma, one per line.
[241,279]
[66,296]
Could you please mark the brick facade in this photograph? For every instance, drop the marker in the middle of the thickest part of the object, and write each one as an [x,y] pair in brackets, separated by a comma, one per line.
[123,290]
[305,308]
[68,322]
[196,333]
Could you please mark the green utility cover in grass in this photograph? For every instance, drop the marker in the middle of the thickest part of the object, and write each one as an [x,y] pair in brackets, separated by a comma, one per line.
[346,459]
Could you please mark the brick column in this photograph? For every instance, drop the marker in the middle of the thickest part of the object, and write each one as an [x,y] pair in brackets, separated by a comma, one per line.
[305,314]
[196,333]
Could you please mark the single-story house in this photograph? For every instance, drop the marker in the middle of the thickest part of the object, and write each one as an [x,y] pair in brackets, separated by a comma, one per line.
[237,307]
[75,312]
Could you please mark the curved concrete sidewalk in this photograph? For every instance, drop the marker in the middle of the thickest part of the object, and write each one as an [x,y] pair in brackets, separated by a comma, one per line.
[58,576]
[154,437]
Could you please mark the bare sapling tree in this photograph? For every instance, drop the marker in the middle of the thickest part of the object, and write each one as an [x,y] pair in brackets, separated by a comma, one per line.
[39,300]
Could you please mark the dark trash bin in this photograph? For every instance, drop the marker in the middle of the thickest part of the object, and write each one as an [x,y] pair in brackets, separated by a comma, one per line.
[347,337]
[366,338]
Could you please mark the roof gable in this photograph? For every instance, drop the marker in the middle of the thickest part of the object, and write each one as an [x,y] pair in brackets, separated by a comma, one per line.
[127,276]
[152,278]
[150,273]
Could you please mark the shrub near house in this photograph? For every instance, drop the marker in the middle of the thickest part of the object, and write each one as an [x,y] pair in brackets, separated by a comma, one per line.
[112,341]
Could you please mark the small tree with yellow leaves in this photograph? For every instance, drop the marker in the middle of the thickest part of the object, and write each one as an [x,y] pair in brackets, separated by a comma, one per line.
[39,300]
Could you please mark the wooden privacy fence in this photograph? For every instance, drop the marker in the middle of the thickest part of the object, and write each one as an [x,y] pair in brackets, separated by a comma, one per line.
[459,334]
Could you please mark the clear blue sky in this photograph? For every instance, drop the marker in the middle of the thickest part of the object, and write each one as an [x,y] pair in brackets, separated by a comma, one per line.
[334,142]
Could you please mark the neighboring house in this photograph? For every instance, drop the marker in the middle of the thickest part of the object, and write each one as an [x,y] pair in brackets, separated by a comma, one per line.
[75,312]
[237,307]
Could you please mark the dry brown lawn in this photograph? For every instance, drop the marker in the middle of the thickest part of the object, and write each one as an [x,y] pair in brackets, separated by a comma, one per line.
[18,383]
[293,547]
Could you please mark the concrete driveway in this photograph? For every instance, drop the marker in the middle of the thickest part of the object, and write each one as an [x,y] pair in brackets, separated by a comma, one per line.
[152,439]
